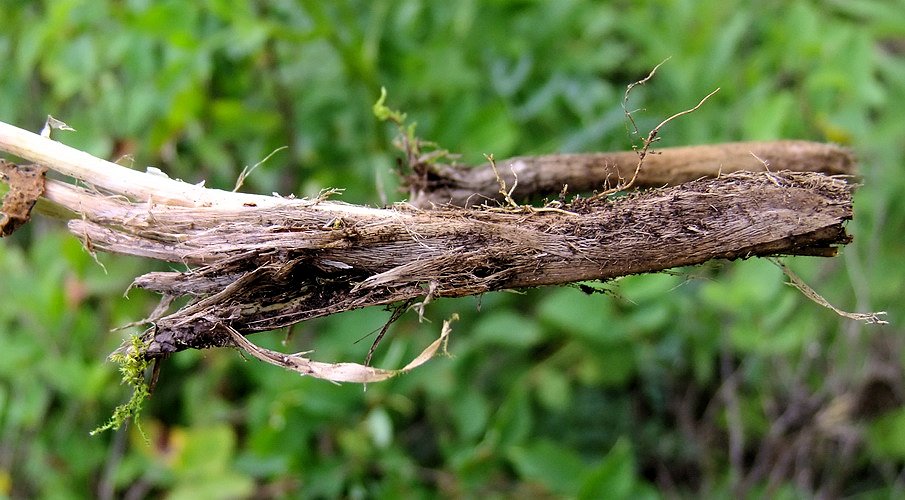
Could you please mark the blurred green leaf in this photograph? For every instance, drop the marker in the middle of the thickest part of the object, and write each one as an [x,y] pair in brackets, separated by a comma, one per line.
[225,486]
[553,388]
[886,435]
[766,121]
[203,450]
[471,413]
[614,477]
[381,428]
[553,465]
[581,315]
[511,425]
[491,130]
[612,366]
[506,328]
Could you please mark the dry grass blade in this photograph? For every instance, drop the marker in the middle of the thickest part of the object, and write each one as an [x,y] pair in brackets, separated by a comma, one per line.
[338,372]
[807,291]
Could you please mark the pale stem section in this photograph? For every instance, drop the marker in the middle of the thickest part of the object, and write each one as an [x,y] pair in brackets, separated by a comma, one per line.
[135,185]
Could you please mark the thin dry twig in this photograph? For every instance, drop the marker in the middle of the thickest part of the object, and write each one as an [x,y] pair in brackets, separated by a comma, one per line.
[628,90]
[246,171]
[511,205]
[397,313]
[506,193]
[652,137]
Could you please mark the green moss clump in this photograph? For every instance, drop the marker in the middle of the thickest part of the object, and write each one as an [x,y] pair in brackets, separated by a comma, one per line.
[132,365]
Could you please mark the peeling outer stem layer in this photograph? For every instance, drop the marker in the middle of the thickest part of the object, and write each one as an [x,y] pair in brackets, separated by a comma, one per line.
[124,183]
[259,269]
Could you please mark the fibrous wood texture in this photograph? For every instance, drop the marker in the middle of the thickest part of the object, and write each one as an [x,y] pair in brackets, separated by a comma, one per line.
[264,268]
[257,263]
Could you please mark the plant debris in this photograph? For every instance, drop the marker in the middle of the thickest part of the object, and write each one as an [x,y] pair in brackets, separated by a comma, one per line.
[26,185]
[258,263]
[263,268]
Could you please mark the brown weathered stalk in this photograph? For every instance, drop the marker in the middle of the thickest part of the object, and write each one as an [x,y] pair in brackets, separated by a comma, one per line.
[258,263]
[263,268]
[546,175]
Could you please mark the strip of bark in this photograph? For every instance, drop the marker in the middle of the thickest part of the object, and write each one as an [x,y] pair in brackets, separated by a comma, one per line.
[535,176]
[262,268]
[26,185]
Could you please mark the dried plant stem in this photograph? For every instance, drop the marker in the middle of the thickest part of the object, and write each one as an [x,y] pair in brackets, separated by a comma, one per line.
[259,268]
[259,262]
[108,177]
[95,171]
[546,175]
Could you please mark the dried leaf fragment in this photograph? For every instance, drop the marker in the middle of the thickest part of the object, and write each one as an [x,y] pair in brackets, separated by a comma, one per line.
[874,318]
[339,372]
[26,185]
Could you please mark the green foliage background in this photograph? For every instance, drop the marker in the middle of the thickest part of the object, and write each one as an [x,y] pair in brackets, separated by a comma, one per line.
[717,380]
